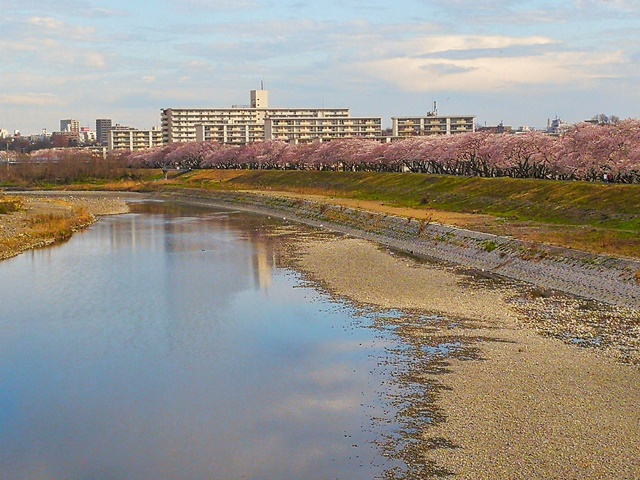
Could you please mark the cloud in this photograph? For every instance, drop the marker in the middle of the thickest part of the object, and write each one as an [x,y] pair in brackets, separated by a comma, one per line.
[52,26]
[92,59]
[103,13]
[217,5]
[620,6]
[30,99]
[45,22]
[492,72]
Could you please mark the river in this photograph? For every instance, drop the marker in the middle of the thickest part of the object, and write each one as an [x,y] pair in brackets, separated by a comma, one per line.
[171,342]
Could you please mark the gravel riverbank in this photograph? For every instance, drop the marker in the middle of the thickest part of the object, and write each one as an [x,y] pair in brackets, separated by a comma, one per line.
[17,228]
[615,281]
[483,396]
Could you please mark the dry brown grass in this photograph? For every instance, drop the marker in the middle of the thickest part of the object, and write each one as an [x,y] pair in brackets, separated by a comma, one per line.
[9,204]
[47,225]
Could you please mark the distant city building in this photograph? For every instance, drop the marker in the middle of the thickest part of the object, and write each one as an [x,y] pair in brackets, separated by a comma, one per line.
[126,138]
[307,129]
[103,125]
[70,125]
[64,139]
[4,133]
[500,128]
[432,125]
[41,137]
[557,126]
[87,136]
[97,150]
[238,125]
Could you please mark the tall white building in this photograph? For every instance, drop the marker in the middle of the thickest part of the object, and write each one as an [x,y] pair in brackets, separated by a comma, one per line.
[237,125]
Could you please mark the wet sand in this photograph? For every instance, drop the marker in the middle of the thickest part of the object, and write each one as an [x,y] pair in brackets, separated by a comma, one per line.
[526,405]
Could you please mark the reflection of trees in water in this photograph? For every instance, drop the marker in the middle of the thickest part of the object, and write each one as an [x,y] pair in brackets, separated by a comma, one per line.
[413,397]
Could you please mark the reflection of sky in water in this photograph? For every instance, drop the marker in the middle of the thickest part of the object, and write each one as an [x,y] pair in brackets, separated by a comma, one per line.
[171,347]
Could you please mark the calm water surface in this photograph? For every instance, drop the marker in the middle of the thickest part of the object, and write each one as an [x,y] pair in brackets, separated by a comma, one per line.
[168,343]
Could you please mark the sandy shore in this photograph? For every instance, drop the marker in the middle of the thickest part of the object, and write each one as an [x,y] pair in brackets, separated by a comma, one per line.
[517,404]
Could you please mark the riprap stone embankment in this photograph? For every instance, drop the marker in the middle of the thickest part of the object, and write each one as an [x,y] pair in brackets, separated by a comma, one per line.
[599,277]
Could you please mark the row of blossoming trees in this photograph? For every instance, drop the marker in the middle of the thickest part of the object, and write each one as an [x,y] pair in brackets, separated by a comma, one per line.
[585,152]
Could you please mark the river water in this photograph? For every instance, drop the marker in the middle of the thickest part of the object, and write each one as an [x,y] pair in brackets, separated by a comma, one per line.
[171,343]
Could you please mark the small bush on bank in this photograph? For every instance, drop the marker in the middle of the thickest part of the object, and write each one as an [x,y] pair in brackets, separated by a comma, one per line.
[9,205]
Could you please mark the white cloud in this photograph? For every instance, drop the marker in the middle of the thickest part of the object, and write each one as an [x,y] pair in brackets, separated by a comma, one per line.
[92,59]
[30,99]
[102,13]
[490,63]
[422,45]
[45,22]
[226,5]
[628,6]
[492,72]
[52,26]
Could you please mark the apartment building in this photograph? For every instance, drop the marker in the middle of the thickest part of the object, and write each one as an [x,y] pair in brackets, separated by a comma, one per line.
[230,133]
[103,125]
[307,129]
[125,138]
[236,125]
[432,125]
[71,127]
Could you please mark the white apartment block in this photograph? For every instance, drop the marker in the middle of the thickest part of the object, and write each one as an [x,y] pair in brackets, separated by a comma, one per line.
[133,140]
[237,125]
[432,125]
[230,133]
[307,129]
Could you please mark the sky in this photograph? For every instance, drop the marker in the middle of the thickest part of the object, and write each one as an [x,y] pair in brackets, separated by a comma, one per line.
[516,62]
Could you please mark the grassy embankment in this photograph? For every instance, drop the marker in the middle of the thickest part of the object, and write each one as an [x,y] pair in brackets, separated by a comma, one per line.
[601,218]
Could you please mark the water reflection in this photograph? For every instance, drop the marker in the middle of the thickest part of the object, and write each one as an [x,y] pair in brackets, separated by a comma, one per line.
[168,343]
